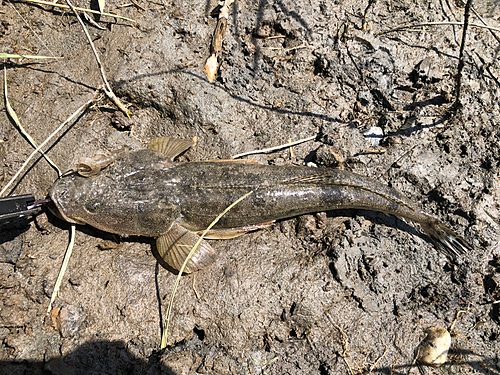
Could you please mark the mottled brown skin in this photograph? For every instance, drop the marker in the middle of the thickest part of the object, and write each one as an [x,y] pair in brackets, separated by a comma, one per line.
[144,193]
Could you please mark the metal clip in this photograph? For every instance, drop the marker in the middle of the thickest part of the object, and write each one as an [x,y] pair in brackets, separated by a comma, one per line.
[18,206]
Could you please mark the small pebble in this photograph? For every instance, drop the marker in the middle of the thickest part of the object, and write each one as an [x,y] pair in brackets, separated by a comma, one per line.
[374,135]
[121,122]
[433,350]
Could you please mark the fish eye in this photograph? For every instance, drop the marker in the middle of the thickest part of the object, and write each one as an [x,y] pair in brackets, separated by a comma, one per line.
[92,206]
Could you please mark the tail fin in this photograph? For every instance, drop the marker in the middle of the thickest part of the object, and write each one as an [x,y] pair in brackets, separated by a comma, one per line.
[445,239]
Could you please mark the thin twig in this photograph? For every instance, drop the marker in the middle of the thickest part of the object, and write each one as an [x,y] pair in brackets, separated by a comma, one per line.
[275,148]
[457,315]
[107,88]
[285,49]
[275,37]
[345,342]
[37,150]
[486,65]
[461,59]
[485,24]
[372,367]
[409,26]
[80,9]
[23,131]
[137,5]
[67,255]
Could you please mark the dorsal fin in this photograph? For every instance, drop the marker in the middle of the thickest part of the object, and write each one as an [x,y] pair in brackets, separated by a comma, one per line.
[170,147]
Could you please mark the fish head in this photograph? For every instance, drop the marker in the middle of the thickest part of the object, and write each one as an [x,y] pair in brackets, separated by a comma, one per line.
[67,194]
[114,204]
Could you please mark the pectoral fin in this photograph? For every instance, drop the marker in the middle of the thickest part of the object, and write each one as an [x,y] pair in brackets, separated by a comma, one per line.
[170,147]
[175,245]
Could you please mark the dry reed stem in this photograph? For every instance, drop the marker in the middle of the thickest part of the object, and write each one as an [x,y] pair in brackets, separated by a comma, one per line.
[107,88]
[69,119]
[164,335]
[80,9]
[23,131]
[275,148]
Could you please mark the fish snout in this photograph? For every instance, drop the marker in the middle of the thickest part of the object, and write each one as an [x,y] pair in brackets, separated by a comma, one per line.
[62,202]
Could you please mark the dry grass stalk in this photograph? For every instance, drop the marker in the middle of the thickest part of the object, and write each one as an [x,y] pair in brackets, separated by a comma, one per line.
[41,2]
[164,335]
[275,148]
[14,117]
[37,150]
[107,88]
[62,271]
[12,56]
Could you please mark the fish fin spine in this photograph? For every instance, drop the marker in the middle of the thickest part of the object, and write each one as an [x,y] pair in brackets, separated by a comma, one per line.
[170,147]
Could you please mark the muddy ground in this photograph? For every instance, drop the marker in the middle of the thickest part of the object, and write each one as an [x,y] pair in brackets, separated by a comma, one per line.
[336,293]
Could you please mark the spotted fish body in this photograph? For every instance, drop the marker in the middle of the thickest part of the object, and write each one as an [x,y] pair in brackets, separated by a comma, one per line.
[145,193]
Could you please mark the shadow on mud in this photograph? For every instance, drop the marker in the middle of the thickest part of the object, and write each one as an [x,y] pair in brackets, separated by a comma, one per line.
[115,357]
[483,365]
[120,89]
[98,357]
[11,243]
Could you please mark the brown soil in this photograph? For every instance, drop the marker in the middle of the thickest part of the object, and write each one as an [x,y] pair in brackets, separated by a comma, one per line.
[337,293]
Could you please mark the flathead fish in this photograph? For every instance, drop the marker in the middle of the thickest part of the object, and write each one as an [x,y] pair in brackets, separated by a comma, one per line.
[145,193]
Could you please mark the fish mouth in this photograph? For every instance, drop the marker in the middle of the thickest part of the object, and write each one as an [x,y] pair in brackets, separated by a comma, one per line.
[58,212]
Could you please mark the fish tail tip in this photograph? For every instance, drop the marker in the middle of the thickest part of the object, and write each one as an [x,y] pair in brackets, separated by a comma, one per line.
[446,240]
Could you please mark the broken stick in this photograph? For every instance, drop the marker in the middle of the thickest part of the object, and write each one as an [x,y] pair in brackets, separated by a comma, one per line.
[212,64]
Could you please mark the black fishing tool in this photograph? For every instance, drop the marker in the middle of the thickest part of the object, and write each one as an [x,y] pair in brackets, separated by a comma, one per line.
[19,206]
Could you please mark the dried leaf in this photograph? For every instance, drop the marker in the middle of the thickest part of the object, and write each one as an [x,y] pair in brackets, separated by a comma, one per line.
[56,317]
[211,67]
